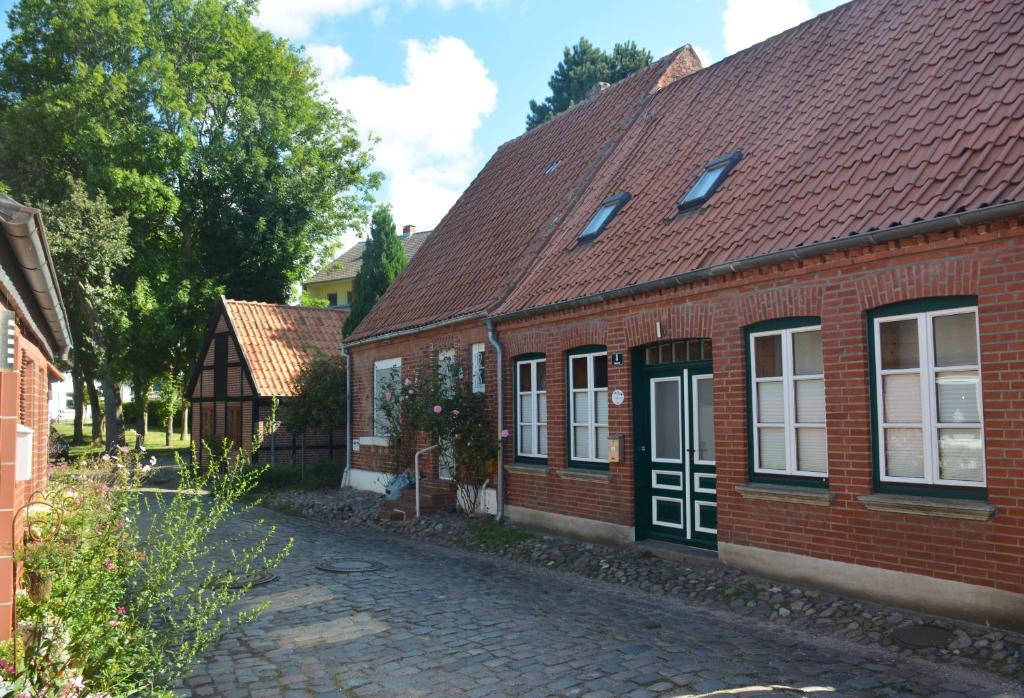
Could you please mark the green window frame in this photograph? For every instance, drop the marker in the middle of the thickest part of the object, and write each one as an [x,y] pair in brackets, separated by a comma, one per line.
[586,403]
[530,393]
[789,383]
[927,407]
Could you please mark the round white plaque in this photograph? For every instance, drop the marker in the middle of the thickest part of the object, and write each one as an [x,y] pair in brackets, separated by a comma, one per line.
[618,397]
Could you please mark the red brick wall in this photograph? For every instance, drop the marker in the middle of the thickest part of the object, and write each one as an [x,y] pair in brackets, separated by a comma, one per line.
[24,394]
[987,261]
[414,350]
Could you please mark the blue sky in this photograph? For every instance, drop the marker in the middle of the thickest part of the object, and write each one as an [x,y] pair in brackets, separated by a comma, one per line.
[444,82]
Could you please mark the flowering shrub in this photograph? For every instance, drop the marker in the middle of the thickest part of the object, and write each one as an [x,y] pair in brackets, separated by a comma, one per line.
[123,588]
[439,401]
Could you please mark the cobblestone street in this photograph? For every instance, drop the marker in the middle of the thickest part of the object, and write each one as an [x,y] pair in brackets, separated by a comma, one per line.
[442,622]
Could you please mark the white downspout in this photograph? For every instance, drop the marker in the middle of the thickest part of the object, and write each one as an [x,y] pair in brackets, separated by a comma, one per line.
[416,474]
[492,337]
[346,474]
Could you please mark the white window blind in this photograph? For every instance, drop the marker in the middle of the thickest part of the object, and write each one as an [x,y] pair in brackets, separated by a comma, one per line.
[928,387]
[789,402]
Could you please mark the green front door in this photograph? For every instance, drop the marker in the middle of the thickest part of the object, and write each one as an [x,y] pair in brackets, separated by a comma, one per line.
[675,459]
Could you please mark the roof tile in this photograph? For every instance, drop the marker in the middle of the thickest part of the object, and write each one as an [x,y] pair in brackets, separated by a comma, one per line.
[279,340]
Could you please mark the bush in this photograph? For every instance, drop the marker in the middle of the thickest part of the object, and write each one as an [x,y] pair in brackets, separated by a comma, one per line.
[124,589]
[319,475]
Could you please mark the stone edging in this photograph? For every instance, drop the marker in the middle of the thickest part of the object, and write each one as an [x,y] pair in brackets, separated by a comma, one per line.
[929,506]
[787,493]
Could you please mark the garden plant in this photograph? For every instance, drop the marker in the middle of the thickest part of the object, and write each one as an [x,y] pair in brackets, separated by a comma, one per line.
[123,587]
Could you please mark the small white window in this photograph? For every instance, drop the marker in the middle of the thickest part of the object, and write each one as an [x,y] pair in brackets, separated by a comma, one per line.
[588,407]
[788,402]
[928,398]
[605,212]
[531,408]
[709,180]
[386,376]
[479,385]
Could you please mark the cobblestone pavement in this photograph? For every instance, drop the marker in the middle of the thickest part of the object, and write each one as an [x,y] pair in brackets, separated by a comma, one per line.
[442,622]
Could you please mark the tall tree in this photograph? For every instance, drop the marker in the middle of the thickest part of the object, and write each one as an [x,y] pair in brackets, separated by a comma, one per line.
[383,259]
[212,137]
[581,68]
[90,245]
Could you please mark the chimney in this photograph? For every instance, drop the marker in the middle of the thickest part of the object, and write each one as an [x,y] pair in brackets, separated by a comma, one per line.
[676,65]
[596,90]
[408,230]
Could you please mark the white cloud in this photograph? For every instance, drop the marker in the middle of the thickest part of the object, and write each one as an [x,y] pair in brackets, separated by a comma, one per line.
[747,22]
[703,54]
[426,124]
[332,60]
[294,18]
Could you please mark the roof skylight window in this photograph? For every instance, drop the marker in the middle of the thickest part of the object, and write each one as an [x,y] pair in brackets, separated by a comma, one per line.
[609,207]
[710,179]
[553,166]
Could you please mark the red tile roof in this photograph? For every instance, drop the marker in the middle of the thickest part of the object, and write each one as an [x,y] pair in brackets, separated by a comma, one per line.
[278,340]
[876,113]
[485,242]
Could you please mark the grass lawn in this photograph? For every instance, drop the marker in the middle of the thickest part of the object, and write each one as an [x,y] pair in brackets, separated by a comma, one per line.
[154,443]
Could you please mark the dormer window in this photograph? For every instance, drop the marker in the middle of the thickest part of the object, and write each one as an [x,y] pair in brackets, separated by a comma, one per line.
[609,207]
[553,166]
[710,179]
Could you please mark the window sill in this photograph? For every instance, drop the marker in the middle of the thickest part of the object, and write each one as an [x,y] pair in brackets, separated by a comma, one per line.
[929,506]
[787,493]
[528,468]
[585,475]
[374,441]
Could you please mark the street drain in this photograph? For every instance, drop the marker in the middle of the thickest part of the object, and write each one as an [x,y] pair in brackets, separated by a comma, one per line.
[921,636]
[348,566]
[255,580]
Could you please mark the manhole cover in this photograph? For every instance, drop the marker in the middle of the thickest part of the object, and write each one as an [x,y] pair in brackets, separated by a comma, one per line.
[348,566]
[920,636]
[255,580]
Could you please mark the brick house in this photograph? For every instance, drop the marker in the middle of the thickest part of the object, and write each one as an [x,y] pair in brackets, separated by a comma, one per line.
[755,307]
[34,333]
[253,353]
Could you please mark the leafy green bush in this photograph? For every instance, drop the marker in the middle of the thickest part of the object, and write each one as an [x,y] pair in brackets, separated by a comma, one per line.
[319,475]
[123,588]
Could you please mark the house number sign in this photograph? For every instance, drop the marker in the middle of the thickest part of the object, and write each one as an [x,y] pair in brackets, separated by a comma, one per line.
[618,397]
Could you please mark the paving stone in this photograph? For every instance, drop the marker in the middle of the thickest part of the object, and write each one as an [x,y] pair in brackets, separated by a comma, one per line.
[439,621]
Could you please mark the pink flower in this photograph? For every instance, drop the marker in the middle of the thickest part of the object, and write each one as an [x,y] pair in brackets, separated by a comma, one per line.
[437,409]
[105,489]
[504,433]
[109,564]
[408,381]
[78,683]
[152,460]
[387,394]
[115,623]
[121,610]
[105,457]
[455,413]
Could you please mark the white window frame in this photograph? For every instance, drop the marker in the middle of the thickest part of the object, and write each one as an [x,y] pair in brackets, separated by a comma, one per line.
[655,458]
[930,424]
[477,363]
[593,425]
[536,425]
[382,365]
[694,382]
[789,423]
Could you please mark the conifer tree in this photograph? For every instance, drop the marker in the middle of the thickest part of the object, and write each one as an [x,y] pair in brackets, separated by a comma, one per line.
[382,260]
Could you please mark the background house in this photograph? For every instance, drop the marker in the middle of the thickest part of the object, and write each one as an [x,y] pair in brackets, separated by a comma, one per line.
[33,334]
[334,283]
[254,352]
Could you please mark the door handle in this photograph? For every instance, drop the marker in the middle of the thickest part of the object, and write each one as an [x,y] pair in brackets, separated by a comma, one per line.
[643,449]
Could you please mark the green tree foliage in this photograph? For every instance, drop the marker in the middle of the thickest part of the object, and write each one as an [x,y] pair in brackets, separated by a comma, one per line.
[211,137]
[583,66]
[308,301]
[383,259]
[319,400]
[90,246]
